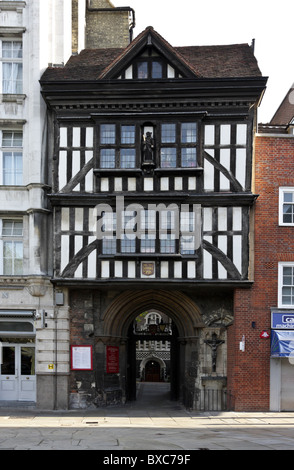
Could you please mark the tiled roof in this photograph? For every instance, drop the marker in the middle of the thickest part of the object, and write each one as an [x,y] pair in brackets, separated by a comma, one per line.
[285,112]
[225,61]
[236,60]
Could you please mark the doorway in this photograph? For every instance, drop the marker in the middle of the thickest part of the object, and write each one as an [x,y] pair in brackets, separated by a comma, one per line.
[17,372]
[152,355]
[152,371]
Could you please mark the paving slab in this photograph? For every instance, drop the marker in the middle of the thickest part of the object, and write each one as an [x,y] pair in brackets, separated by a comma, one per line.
[152,424]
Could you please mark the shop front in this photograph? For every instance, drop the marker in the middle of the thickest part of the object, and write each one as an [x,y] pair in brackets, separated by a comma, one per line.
[17,356]
[282,361]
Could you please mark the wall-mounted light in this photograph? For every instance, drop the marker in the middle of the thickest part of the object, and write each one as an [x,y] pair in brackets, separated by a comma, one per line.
[242,344]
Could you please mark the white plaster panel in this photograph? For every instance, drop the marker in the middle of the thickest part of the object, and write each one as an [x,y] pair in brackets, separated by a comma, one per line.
[131,269]
[209,135]
[148,184]
[178,183]
[241,134]
[207,261]
[191,269]
[79,219]
[104,184]
[192,183]
[78,247]
[178,269]
[164,270]
[105,269]
[64,252]
[164,184]
[92,261]
[132,184]
[118,184]
[76,137]
[241,166]
[89,137]
[225,134]
[209,173]
[237,252]
[65,219]
[76,165]
[223,246]
[225,156]
[222,218]
[63,137]
[118,269]
[62,169]
[207,219]
[237,218]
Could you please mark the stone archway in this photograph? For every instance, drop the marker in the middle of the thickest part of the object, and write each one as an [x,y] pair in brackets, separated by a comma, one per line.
[175,304]
[119,315]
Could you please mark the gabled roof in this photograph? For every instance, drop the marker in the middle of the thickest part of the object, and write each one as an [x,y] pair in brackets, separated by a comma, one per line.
[224,61]
[149,37]
[285,112]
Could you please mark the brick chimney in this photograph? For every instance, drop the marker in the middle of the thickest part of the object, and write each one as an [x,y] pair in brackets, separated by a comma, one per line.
[104,25]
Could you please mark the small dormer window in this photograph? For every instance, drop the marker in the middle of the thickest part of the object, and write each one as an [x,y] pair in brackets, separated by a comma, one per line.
[149,68]
[150,64]
[156,69]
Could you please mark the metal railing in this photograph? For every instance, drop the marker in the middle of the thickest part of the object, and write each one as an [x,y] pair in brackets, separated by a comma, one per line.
[209,400]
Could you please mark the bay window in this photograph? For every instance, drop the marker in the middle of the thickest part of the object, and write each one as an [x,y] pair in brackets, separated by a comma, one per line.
[174,145]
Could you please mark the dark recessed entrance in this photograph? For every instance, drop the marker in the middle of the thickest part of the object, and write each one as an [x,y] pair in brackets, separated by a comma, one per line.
[152,353]
[152,372]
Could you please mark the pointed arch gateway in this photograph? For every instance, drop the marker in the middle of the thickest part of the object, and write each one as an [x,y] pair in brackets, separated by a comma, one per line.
[175,304]
[184,313]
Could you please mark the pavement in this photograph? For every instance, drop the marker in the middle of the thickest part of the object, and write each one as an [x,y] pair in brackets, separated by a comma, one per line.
[152,423]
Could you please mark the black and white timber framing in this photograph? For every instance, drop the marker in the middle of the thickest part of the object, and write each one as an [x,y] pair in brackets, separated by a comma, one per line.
[216,187]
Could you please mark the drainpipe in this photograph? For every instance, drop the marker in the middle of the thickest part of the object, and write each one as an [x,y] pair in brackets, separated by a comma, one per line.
[129,9]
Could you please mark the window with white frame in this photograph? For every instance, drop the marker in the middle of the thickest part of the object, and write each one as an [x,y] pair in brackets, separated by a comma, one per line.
[11,158]
[12,66]
[286,285]
[286,206]
[11,244]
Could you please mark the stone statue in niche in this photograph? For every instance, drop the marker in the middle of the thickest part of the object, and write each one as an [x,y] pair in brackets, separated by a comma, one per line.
[214,343]
[148,147]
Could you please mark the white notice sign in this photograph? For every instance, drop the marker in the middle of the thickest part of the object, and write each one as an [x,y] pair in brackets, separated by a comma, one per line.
[81,358]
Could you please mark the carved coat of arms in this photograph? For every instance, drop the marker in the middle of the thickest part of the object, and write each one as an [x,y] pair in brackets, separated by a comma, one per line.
[148,269]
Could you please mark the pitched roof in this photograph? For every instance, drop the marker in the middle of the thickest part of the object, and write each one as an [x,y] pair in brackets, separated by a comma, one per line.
[224,61]
[285,112]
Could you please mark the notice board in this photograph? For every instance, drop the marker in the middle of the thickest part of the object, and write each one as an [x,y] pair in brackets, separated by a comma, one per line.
[81,358]
[112,359]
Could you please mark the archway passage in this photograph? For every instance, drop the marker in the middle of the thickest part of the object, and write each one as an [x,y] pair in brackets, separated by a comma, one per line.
[152,355]
[185,317]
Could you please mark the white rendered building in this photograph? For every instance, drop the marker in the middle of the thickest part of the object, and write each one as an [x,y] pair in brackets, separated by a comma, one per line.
[34,34]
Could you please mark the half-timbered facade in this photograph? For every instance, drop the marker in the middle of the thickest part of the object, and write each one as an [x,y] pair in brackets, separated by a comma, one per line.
[150,155]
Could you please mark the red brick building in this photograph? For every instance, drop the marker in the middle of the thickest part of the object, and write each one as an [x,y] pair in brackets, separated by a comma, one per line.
[261,376]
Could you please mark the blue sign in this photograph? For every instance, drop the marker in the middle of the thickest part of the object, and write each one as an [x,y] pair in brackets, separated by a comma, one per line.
[283,320]
[282,344]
